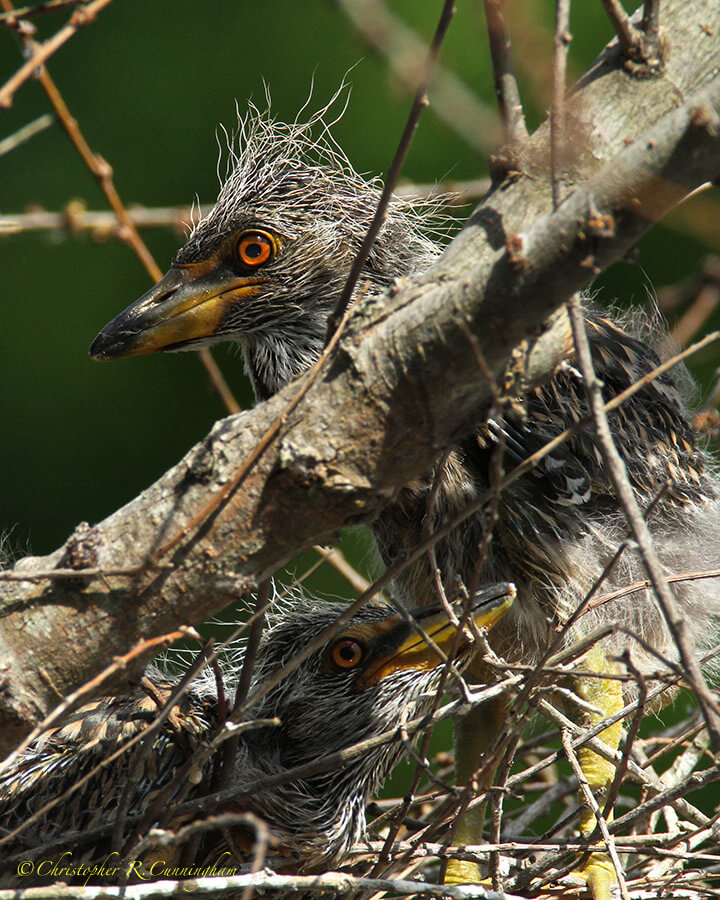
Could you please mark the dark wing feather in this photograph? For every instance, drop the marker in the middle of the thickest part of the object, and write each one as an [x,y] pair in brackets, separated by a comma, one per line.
[64,756]
[651,429]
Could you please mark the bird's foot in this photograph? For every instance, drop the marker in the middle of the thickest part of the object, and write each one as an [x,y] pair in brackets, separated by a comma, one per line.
[462,871]
[598,874]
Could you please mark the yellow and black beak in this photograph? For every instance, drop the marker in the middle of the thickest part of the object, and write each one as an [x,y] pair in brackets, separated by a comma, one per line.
[405,648]
[184,310]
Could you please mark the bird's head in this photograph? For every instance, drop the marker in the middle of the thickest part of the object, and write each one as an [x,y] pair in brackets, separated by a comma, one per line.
[266,266]
[382,668]
[378,672]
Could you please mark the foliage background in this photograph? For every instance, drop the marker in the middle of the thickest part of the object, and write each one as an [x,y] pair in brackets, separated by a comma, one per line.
[149,82]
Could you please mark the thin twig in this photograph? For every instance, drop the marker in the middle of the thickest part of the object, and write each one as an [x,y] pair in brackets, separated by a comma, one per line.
[695,317]
[561,45]
[334,557]
[454,103]
[636,586]
[628,35]
[590,800]
[506,86]
[496,468]
[534,459]
[251,649]
[128,232]
[24,134]
[162,838]
[420,101]
[166,707]
[76,573]
[340,758]
[397,568]
[589,738]
[641,46]
[422,764]
[617,472]
[651,20]
[43,52]
[30,12]
[75,219]
[438,475]
[305,383]
[61,798]
[103,173]
[630,737]
[90,689]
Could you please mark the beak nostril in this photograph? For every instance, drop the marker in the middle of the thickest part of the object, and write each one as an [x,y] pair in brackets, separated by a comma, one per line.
[157,299]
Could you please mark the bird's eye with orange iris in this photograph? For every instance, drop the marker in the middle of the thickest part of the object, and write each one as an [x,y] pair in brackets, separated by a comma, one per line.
[254,248]
[347,653]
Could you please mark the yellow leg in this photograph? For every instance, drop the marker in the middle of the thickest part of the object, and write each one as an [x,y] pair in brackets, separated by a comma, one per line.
[606,695]
[474,733]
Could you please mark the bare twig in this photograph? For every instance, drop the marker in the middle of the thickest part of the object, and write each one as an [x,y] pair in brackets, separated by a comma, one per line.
[256,630]
[438,475]
[43,52]
[25,134]
[453,101]
[72,574]
[420,101]
[30,12]
[590,800]
[636,586]
[630,737]
[142,649]
[337,559]
[702,307]
[651,20]
[128,232]
[618,474]
[305,383]
[165,709]
[628,35]
[342,757]
[506,87]
[638,45]
[422,764]
[75,218]
[561,44]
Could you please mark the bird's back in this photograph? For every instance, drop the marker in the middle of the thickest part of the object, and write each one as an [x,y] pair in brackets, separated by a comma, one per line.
[557,526]
[79,781]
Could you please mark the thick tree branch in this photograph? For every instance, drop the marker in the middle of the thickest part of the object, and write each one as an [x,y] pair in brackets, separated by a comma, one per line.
[403,384]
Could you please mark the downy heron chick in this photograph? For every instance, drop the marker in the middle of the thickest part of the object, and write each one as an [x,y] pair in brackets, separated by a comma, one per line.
[265,269]
[377,672]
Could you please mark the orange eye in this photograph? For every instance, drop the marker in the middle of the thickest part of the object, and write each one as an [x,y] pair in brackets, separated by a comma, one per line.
[254,248]
[347,653]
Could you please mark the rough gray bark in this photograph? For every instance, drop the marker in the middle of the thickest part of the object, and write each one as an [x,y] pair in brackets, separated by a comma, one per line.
[403,384]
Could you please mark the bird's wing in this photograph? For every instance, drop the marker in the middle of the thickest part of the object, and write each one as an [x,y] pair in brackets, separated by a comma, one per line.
[651,429]
[73,762]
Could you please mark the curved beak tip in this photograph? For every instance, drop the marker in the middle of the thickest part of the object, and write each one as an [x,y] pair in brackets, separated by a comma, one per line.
[97,351]
[106,346]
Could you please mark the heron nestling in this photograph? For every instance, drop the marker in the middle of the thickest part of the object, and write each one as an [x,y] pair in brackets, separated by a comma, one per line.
[377,672]
[265,268]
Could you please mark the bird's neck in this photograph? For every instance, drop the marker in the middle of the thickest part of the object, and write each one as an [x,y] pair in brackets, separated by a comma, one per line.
[324,814]
[272,361]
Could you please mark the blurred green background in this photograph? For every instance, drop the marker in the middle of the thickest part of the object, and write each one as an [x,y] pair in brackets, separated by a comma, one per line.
[149,82]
